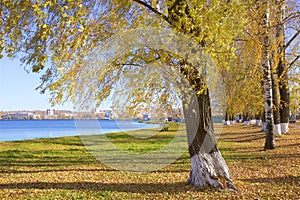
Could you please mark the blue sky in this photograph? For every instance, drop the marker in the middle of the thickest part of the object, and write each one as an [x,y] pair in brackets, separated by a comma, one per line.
[17,89]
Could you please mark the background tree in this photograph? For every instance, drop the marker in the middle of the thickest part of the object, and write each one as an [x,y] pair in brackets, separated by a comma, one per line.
[285,36]
[295,91]
[253,39]
[290,56]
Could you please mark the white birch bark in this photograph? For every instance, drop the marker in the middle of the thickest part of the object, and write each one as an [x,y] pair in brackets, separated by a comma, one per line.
[268,105]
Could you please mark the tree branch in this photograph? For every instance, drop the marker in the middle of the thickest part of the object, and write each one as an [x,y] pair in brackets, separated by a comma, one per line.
[291,16]
[129,64]
[293,62]
[291,40]
[153,10]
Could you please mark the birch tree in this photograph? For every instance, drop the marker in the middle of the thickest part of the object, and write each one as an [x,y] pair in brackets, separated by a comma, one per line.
[266,65]
[254,39]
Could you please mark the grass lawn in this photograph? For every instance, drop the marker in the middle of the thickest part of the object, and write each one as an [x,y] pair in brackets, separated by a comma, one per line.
[62,168]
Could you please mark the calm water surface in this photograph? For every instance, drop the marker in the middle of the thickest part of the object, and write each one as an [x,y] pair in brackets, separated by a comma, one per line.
[11,130]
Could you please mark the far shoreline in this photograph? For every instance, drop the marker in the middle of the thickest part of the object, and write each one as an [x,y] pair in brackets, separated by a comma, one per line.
[15,130]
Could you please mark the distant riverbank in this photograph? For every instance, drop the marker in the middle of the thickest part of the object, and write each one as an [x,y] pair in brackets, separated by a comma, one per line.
[11,130]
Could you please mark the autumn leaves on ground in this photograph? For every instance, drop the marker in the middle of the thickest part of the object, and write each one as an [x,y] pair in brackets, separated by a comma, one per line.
[63,169]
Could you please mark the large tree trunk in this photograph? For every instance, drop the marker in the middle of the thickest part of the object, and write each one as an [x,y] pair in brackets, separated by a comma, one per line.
[268,105]
[207,163]
[284,108]
[208,167]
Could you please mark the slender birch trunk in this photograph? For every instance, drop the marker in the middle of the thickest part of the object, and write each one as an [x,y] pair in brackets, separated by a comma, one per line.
[268,105]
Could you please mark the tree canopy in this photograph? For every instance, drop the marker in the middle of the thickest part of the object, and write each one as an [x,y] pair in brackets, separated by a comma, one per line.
[55,37]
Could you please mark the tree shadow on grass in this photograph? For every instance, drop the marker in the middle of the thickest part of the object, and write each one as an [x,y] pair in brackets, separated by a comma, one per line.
[68,140]
[289,145]
[245,138]
[100,168]
[12,171]
[261,157]
[47,162]
[295,180]
[142,188]
[255,131]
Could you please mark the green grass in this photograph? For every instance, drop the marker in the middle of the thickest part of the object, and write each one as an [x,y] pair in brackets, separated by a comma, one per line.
[143,141]
[41,148]
[63,168]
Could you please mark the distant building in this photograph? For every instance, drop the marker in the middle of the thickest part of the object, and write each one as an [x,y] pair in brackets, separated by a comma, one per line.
[50,112]
[7,116]
[19,115]
[31,115]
